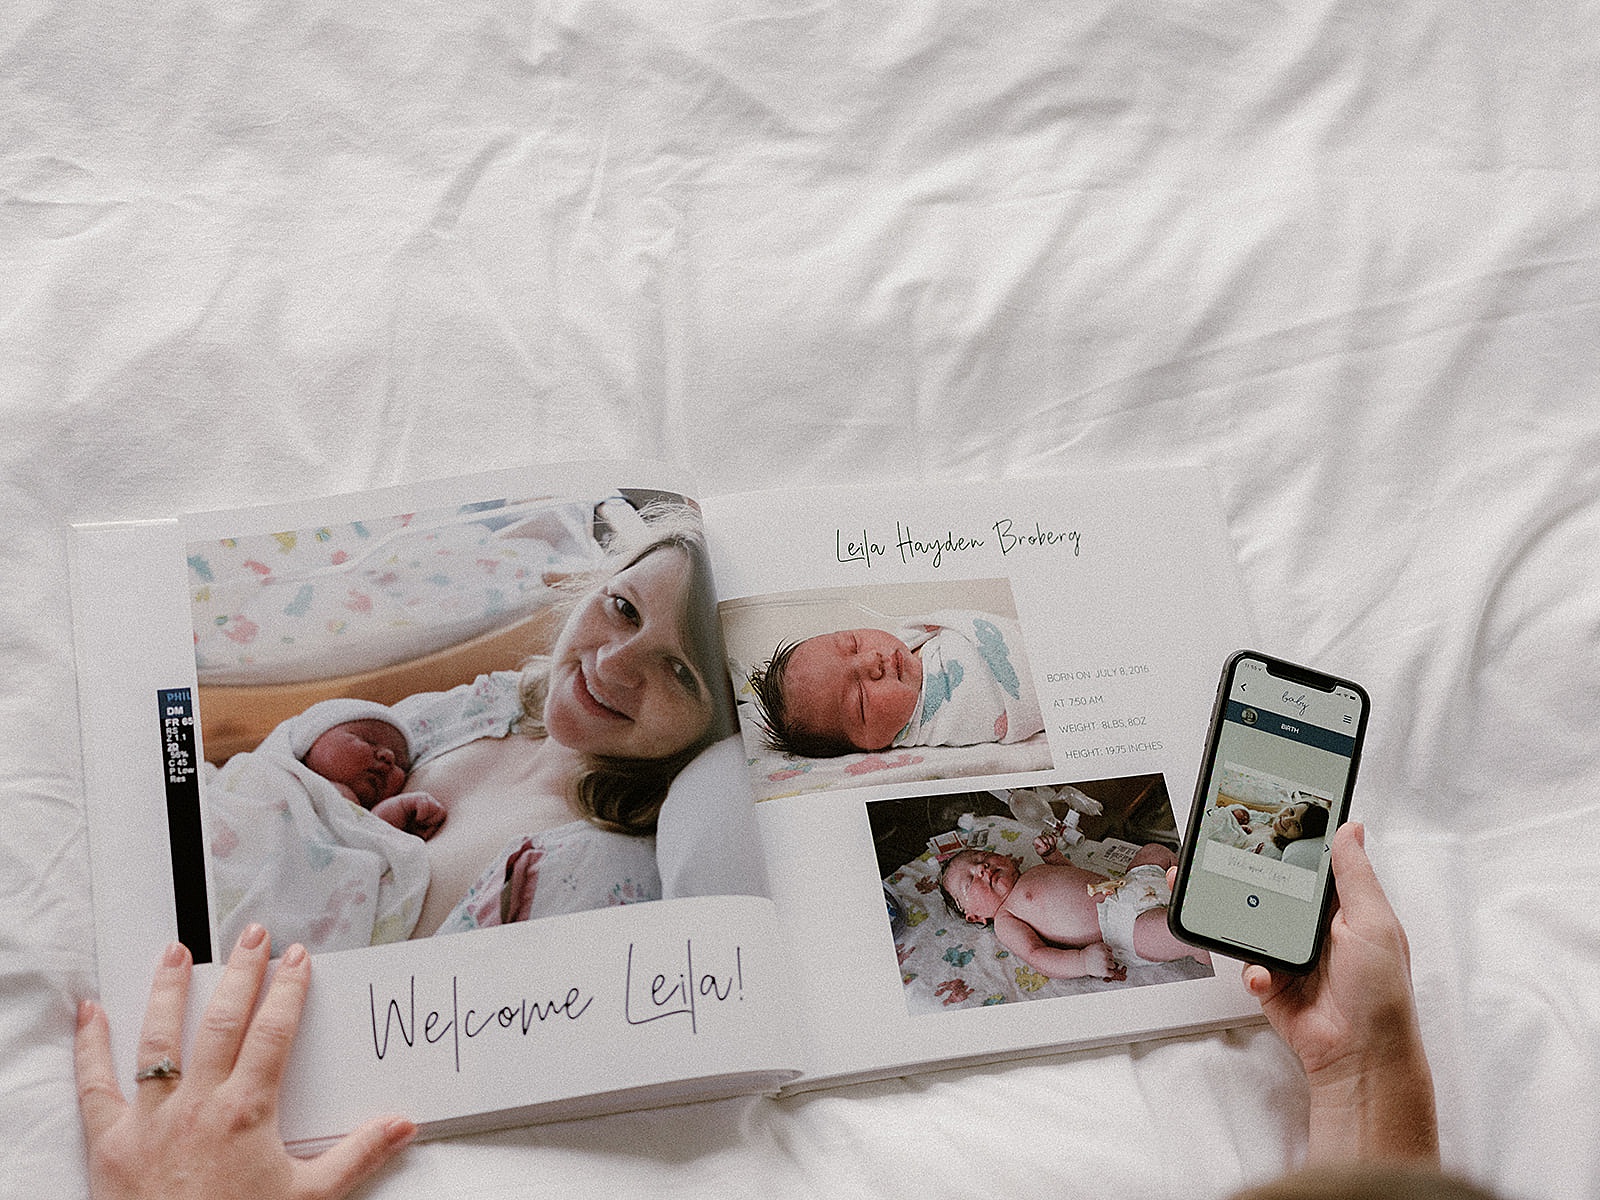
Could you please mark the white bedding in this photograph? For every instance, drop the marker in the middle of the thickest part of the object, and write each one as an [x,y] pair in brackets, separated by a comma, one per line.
[1344,254]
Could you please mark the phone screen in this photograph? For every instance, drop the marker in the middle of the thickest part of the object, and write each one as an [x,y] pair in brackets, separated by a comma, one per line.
[1277,786]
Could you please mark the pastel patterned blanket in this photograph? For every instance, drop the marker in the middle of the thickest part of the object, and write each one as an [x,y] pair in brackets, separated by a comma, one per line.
[976,682]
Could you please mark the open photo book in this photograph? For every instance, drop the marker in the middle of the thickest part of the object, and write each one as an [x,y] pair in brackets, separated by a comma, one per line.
[589,793]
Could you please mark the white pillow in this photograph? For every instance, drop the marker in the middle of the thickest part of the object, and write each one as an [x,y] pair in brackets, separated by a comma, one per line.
[706,841]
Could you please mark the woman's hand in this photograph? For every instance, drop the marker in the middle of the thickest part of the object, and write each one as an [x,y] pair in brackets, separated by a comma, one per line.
[1353,1023]
[211,1130]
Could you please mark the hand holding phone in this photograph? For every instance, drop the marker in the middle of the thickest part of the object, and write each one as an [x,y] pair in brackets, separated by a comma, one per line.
[1254,880]
[1352,1022]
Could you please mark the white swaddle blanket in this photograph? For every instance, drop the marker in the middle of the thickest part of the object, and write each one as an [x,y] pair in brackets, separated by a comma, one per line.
[976,682]
[289,851]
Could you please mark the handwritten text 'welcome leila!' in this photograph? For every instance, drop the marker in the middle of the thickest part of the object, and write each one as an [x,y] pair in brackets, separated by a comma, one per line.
[402,1023]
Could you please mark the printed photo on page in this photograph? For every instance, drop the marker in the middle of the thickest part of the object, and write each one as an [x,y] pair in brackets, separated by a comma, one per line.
[1015,894]
[879,684]
[433,722]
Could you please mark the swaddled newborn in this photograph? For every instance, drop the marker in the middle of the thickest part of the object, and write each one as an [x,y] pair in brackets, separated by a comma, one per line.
[313,835]
[360,749]
[954,678]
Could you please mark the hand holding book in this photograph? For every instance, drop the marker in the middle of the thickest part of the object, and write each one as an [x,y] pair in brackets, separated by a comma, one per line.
[209,1130]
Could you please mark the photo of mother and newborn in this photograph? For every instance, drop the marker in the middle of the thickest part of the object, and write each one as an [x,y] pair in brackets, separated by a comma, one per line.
[509,776]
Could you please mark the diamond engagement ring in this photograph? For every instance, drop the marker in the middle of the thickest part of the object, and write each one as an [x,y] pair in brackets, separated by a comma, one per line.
[162,1068]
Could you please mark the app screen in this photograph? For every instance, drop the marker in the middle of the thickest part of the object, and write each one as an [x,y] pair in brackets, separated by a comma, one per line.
[1281,769]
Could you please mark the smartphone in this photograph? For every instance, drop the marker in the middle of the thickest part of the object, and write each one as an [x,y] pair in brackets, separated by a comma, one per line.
[1254,880]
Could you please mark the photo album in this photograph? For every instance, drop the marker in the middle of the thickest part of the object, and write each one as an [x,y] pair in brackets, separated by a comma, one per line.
[588,792]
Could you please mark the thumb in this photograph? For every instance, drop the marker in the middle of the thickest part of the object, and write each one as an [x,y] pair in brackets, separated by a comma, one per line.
[1257,981]
[1361,895]
[355,1157]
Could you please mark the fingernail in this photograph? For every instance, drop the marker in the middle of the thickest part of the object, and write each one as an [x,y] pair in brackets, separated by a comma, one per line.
[294,955]
[400,1131]
[174,955]
[251,937]
[86,1011]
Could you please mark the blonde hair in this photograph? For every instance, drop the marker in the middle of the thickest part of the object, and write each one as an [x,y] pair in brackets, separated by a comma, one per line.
[625,795]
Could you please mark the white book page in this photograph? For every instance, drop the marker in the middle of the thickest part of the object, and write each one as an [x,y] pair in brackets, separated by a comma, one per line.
[1126,602]
[541,1012]
[616,999]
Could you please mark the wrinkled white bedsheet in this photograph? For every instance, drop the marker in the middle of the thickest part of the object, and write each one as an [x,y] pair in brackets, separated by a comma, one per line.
[1346,253]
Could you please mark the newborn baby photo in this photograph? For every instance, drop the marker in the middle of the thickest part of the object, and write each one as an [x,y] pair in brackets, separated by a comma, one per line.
[1021,894]
[886,684]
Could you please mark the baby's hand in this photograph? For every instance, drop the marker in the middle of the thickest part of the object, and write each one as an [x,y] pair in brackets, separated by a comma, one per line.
[1045,846]
[1101,963]
[412,812]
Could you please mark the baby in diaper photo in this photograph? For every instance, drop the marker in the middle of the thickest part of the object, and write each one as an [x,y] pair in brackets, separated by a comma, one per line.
[1064,921]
